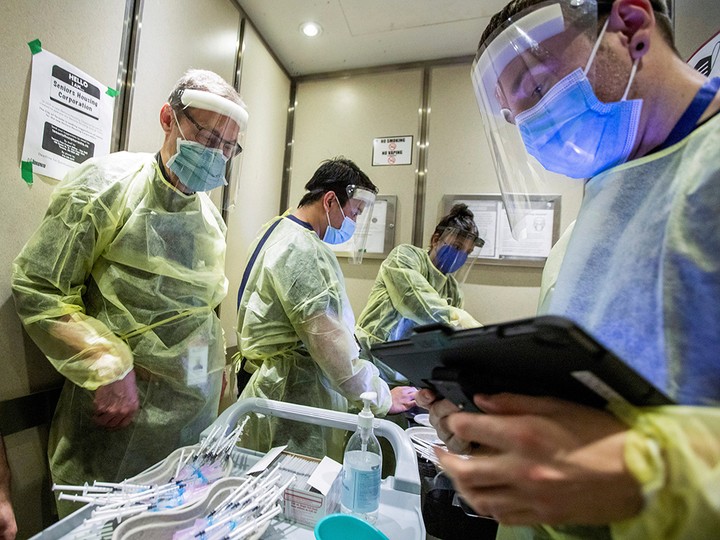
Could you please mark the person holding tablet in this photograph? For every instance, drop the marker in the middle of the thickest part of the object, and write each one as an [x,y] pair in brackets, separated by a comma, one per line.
[595,90]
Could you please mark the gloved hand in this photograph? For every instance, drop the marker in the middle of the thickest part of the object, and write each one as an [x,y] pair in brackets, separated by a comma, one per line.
[117,403]
[403,399]
[464,320]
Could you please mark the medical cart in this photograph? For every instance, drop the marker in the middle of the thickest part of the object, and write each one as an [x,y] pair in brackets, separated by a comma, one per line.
[400,511]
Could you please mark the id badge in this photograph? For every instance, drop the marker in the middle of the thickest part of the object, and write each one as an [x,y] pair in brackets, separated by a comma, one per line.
[197,365]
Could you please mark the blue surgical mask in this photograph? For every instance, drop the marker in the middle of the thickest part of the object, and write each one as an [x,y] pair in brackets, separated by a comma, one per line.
[571,132]
[449,259]
[198,167]
[343,234]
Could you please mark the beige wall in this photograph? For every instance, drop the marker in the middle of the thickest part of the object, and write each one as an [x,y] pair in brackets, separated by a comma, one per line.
[265,88]
[695,22]
[175,35]
[25,370]
[342,116]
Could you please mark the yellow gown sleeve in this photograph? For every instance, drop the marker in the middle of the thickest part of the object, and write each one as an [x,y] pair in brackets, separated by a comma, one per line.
[50,276]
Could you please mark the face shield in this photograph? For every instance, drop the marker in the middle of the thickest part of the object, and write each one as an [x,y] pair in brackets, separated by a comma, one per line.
[452,253]
[522,70]
[359,209]
[209,151]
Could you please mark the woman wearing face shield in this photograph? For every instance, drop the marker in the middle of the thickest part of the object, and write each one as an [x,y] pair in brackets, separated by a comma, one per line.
[415,286]
[295,323]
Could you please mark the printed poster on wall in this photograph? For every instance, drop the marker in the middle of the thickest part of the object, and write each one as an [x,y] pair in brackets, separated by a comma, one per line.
[69,117]
[707,58]
[394,150]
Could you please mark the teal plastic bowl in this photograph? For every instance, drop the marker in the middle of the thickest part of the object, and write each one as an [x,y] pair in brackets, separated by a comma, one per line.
[346,527]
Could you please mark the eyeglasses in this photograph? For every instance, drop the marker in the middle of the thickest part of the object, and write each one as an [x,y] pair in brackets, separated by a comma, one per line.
[211,139]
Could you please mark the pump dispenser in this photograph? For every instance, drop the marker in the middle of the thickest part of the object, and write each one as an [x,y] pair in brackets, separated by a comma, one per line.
[362,466]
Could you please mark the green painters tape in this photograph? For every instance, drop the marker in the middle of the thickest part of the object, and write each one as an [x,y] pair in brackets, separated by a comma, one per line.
[112,92]
[26,172]
[35,46]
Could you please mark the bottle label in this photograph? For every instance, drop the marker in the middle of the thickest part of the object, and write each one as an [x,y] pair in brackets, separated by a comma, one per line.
[361,482]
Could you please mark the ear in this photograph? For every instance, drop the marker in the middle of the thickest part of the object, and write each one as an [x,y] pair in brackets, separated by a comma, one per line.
[434,239]
[167,119]
[635,20]
[328,199]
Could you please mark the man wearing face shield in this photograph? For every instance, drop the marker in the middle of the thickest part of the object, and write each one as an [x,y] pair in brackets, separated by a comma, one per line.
[295,323]
[597,90]
[118,288]
[415,287]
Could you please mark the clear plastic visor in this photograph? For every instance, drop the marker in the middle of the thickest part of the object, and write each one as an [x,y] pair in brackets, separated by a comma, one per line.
[220,125]
[516,66]
[359,208]
[454,252]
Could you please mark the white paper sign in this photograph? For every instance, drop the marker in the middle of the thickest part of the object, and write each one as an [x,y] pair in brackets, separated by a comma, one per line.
[69,118]
[707,58]
[394,150]
[493,227]
[537,235]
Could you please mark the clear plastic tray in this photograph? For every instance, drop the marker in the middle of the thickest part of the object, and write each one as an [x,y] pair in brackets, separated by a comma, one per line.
[400,512]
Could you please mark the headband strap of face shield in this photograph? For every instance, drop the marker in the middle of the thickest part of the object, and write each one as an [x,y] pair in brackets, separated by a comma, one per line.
[202,156]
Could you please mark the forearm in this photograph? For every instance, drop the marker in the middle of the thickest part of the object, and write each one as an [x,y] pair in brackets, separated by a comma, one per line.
[8,527]
[674,453]
[333,347]
[82,349]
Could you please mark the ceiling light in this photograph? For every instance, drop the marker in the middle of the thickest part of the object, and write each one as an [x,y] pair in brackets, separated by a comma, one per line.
[311,29]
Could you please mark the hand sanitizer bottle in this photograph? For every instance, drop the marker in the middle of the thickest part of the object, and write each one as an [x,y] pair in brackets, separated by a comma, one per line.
[362,466]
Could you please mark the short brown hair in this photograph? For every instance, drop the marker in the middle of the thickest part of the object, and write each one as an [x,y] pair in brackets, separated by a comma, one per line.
[514,7]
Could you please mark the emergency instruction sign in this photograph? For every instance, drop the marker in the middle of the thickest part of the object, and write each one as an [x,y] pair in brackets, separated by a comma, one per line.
[395,150]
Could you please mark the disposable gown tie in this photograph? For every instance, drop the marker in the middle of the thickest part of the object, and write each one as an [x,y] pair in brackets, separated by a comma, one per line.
[124,273]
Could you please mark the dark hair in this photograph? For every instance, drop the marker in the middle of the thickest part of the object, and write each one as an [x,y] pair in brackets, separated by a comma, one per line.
[335,175]
[514,7]
[460,217]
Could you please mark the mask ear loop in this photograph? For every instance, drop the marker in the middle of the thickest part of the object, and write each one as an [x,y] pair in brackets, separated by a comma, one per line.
[327,214]
[178,125]
[596,47]
[633,71]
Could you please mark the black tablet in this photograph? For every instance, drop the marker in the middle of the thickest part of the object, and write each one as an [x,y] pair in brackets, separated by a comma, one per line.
[542,356]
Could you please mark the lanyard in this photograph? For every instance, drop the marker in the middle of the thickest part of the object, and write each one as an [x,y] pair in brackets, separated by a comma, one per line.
[261,243]
[688,121]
